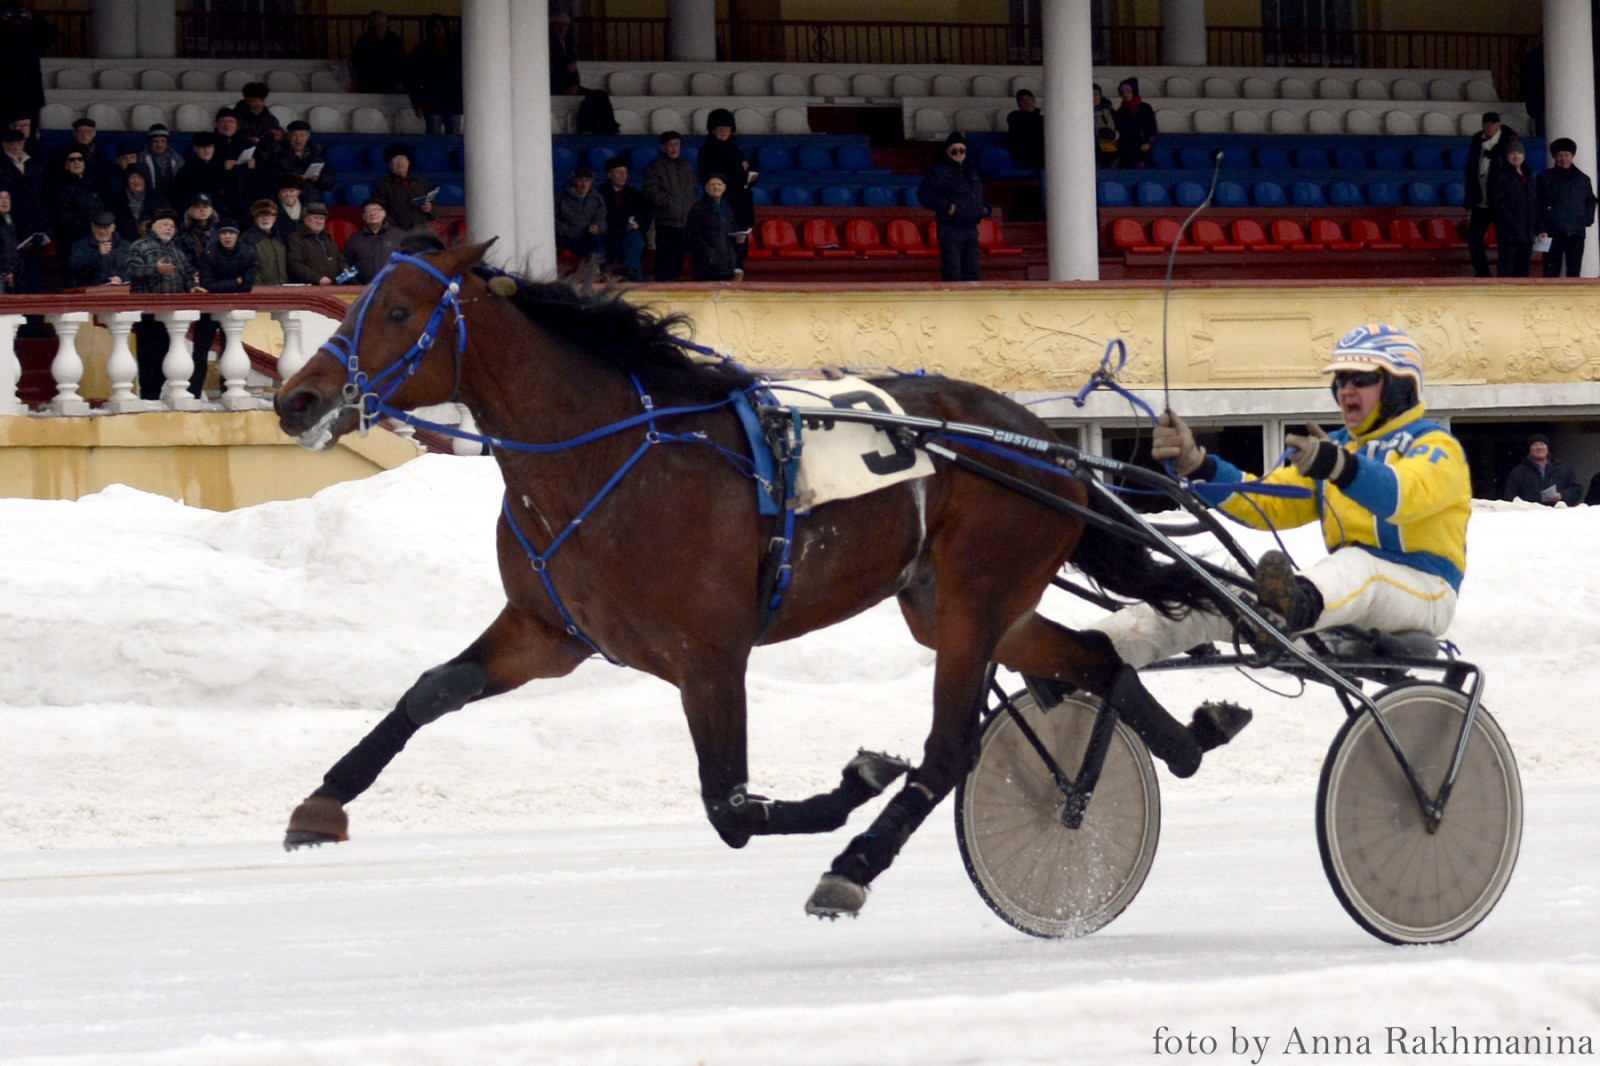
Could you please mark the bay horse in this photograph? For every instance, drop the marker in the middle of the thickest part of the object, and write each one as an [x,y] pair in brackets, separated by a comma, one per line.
[639,539]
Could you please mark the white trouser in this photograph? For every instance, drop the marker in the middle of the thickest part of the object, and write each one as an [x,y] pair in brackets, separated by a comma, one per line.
[1357,587]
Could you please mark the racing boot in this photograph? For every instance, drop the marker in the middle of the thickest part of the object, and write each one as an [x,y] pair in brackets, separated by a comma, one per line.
[1286,594]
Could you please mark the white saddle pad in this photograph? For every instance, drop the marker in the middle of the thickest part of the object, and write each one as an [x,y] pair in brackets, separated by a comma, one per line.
[851,459]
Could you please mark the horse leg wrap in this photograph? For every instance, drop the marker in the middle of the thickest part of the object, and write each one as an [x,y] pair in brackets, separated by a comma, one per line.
[738,816]
[869,854]
[444,688]
[354,774]
[1167,738]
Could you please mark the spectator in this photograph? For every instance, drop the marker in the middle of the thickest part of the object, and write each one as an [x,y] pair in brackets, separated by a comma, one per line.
[10,257]
[1485,154]
[30,136]
[1136,127]
[712,244]
[96,163]
[953,191]
[1025,132]
[369,248]
[627,220]
[1592,497]
[229,268]
[272,258]
[203,173]
[1514,206]
[99,258]
[1105,131]
[378,61]
[116,176]
[22,177]
[314,256]
[23,39]
[257,125]
[721,154]
[1566,210]
[137,206]
[564,80]
[669,187]
[291,207]
[1541,479]
[76,201]
[435,78]
[161,164]
[298,155]
[407,198]
[199,232]
[156,264]
[581,216]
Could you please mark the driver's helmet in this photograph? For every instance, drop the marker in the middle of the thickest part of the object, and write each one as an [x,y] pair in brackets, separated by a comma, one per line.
[1376,346]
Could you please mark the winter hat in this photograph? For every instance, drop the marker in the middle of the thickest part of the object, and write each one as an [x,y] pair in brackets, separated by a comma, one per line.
[955,137]
[268,206]
[13,135]
[583,172]
[616,161]
[1021,93]
[104,218]
[1539,438]
[127,147]
[1563,144]
[82,122]
[200,198]
[1132,83]
[720,116]
[164,212]
[395,148]
[227,112]
[158,130]
[670,135]
[317,209]
[256,89]
[228,225]
[1491,116]
[299,124]
[291,181]
[205,139]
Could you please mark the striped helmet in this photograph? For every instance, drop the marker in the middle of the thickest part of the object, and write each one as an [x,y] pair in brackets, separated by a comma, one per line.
[1376,346]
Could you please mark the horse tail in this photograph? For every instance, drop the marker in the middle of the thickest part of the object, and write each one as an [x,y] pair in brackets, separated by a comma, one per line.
[1123,567]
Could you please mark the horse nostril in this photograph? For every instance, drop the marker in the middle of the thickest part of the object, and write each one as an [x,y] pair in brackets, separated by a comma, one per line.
[298,406]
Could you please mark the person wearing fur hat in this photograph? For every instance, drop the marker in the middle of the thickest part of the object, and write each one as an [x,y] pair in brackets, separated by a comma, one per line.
[407,197]
[257,125]
[160,163]
[581,216]
[1136,127]
[722,154]
[1393,495]
[1540,478]
[1566,210]
[953,191]
[298,154]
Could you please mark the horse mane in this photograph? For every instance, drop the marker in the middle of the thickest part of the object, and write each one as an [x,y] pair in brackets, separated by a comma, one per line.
[629,338]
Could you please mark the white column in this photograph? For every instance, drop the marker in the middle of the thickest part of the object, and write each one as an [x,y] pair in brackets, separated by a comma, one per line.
[67,366]
[486,42]
[234,364]
[10,366]
[531,147]
[692,30]
[114,28]
[1569,90]
[1073,233]
[121,368]
[179,361]
[158,28]
[293,356]
[470,425]
[1183,33]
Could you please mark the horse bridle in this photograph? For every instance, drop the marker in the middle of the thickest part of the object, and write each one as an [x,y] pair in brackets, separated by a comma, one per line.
[369,397]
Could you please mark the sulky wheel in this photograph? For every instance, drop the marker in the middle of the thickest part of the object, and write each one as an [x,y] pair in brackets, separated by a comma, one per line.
[1032,870]
[1399,881]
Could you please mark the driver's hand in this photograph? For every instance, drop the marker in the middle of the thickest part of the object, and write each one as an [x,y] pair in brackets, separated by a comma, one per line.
[1174,441]
[1315,456]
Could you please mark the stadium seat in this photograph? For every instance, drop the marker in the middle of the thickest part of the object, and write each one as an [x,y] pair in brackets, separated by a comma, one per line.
[1232,159]
[996,159]
[341,230]
[909,197]
[1427,158]
[1405,232]
[1383,194]
[1308,194]
[345,159]
[1388,159]
[794,196]
[431,159]
[904,236]
[1287,232]
[778,234]
[1188,194]
[1455,193]
[1165,232]
[1231,194]
[880,196]
[1164,157]
[854,157]
[1195,158]
[1213,238]
[1248,232]
[1350,159]
[1152,194]
[772,158]
[1326,232]
[355,193]
[452,194]
[992,239]
[1113,194]
[1443,230]
[1269,194]
[1272,159]
[1457,158]
[819,235]
[1366,232]
[836,196]
[814,157]
[1311,158]
[755,249]
[1422,194]
[641,156]
[861,235]
[761,196]
[1127,235]
[1345,194]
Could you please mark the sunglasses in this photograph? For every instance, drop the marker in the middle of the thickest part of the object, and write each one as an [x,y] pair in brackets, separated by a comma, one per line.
[1361,379]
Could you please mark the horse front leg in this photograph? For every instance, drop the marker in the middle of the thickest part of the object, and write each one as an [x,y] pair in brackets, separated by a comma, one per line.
[715,705]
[514,650]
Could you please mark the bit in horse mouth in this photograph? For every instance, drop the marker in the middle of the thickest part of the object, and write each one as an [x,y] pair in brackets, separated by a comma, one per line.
[320,436]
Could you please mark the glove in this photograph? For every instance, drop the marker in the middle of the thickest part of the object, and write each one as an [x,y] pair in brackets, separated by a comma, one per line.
[1174,441]
[1315,456]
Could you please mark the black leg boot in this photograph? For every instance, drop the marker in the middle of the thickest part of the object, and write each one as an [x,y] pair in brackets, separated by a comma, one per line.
[1167,738]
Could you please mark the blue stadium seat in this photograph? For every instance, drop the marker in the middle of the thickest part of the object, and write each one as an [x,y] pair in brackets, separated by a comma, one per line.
[452,194]
[910,196]
[1350,158]
[1152,194]
[1455,193]
[1163,157]
[431,159]
[1426,158]
[880,196]
[794,196]
[1422,194]
[1114,194]
[1311,158]
[1308,194]
[355,193]
[854,157]
[1231,194]
[458,158]
[837,196]
[1195,158]
[1457,158]
[596,157]
[1232,159]
[814,157]
[1345,194]
[1272,159]
[1269,194]
[1188,194]
[1382,194]
[641,156]
[1388,159]
[771,158]
[995,159]
[760,196]
[345,158]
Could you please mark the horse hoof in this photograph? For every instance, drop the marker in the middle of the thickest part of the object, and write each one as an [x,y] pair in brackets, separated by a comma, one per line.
[874,769]
[836,897]
[318,820]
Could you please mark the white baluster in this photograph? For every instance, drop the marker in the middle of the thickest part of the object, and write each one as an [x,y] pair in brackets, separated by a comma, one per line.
[67,366]
[121,367]
[235,362]
[179,362]
[293,356]
[468,425]
[10,366]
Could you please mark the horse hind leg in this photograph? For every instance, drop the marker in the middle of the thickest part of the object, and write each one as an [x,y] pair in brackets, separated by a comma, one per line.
[511,652]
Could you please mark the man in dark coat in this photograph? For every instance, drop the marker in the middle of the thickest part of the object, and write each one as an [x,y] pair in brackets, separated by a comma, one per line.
[1514,204]
[1566,210]
[434,78]
[669,187]
[314,256]
[100,258]
[1485,154]
[298,155]
[1541,479]
[23,39]
[627,221]
[722,154]
[953,191]
[369,248]
[1025,132]
[378,61]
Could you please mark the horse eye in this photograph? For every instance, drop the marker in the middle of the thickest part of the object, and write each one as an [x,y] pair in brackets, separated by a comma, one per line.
[399,314]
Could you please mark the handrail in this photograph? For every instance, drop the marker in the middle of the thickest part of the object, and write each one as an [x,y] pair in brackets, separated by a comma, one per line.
[324,300]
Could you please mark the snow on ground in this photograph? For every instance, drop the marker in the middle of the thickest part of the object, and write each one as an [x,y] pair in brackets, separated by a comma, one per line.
[532,881]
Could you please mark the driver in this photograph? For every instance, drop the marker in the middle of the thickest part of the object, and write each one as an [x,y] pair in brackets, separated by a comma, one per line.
[1392,492]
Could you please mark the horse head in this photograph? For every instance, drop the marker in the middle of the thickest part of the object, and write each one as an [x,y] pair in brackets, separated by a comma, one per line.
[399,347]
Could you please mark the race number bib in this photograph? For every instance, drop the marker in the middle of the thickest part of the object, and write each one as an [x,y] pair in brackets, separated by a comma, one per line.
[851,459]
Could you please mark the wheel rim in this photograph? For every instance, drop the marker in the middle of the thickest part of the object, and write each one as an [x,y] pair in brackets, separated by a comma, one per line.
[1033,871]
[1399,881]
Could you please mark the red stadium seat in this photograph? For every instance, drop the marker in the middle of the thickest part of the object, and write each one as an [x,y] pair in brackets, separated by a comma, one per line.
[341,230]
[904,235]
[862,235]
[1444,231]
[779,235]
[1367,233]
[1164,232]
[819,235]
[992,239]
[1212,237]
[1405,231]
[1288,233]
[1248,232]
[754,249]
[1127,235]
[1326,231]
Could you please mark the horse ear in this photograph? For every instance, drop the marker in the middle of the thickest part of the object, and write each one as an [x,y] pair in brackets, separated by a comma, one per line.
[464,257]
